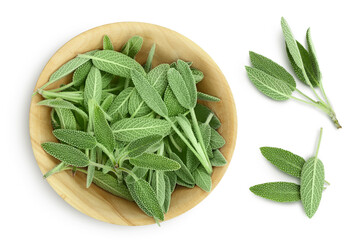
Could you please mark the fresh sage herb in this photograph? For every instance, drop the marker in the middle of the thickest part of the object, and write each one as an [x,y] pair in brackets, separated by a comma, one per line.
[311,174]
[135,131]
[276,83]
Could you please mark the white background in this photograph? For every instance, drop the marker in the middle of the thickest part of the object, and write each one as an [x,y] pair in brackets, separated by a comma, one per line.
[31,31]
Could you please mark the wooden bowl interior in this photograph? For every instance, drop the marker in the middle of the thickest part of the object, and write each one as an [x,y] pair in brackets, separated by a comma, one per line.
[170,46]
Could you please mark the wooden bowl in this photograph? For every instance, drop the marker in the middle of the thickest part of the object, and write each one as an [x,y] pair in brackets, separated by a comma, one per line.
[170,46]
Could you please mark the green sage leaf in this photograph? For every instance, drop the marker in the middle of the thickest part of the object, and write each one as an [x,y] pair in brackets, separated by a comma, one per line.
[93,87]
[312,55]
[120,103]
[207,97]
[179,88]
[183,173]
[172,104]
[115,63]
[284,160]
[149,94]
[202,179]
[81,73]
[278,191]
[272,68]
[216,140]
[158,184]
[78,139]
[139,146]
[130,129]
[60,103]
[155,162]
[66,153]
[111,185]
[66,117]
[218,160]
[268,85]
[132,46]
[202,112]
[103,132]
[147,197]
[291,43]
[189,80]
[150,57]
[107,45]
[312,183]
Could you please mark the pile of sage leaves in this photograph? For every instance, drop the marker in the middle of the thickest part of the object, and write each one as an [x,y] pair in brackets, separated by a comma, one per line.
[136,131]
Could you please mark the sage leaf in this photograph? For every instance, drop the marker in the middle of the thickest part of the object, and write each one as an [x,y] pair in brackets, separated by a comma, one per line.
[107,45]
[103,132]
[183,172]
[192,162]
[93,87]
[111,185]
[207,97]
[312,55]
[179,88]
[139,146]
[60,103]
[150,57]
[115,63]
[284,160]
[168,192]
[137,107]
[66,153]
[202,179]
[139,172]
[172,179]
[272,68]
[291,43]
[136,198]
[268,85]
[78,139]
[132,46]
[106,103]
[155,162]
[129,129]
[309,71]
[70,66]
[197,74]
[181,182]
[158,184]
[66,117]
[218,160]
[172,104]
[206,131]
[120,103]
[278,191]
[202,112]
[216,140]
[149,94]
[189,80]
[312,183]
[91,168]
[146,195]
[81,73]
[157,78]
[106,79]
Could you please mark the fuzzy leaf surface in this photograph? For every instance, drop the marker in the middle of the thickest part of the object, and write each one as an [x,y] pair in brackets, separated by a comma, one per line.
[129,129]
[312,183]
[66,153]
[268,85]
[78,139]
[284,160]
[155,162]
[278,191]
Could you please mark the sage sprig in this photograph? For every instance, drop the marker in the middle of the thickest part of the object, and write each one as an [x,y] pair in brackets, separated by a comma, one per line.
[275,82]
[311,174]
[135,131]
